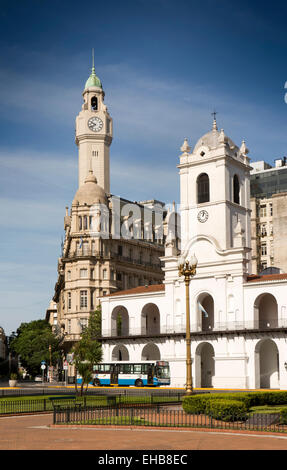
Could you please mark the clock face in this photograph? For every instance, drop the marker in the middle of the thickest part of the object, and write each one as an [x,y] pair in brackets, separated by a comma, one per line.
[202,216]
[95,124]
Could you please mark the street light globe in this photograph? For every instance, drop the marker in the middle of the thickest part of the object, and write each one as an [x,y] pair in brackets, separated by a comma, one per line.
[193,260]
[181,260]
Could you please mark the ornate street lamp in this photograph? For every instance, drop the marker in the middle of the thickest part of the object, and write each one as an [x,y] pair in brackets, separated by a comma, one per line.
[187,268]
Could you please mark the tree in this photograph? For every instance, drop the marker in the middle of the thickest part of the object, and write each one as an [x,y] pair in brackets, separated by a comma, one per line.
[88,351]
[32,342]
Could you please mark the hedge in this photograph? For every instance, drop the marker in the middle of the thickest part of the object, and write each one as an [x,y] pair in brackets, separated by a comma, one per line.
[226,410]
[199,403]
[283,416]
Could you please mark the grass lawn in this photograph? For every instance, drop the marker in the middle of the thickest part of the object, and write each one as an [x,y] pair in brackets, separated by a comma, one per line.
[267,409]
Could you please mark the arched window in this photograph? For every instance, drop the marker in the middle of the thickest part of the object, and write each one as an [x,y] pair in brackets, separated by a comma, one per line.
[236,189]
[202,188]
[94,103]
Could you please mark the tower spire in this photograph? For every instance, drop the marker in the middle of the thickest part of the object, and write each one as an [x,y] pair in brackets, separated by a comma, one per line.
[93,61]
[214,125]
[93,80]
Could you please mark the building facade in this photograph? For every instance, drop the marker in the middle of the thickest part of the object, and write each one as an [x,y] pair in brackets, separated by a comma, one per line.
[102,251]
[269,216]
[238,319]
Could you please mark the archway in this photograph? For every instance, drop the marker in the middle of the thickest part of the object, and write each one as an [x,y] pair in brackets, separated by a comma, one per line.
[120,321]
[150,352]
[120,353]
[205,311]
[150,320]
[265,311]
[204,365]
[266,364]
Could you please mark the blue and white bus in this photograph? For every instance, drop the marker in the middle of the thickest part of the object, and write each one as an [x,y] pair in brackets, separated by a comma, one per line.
[126,373]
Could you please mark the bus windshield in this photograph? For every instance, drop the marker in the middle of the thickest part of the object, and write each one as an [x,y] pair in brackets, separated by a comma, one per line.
[162,372]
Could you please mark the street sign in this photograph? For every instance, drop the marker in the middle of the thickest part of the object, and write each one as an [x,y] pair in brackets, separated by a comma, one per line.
[65,367]
[43,366]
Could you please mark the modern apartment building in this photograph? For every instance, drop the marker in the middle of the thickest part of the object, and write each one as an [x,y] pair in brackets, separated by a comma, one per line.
[268,188]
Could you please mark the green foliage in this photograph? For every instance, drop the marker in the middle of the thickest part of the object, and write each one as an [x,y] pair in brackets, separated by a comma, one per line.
[283,416]
[226,410]
[32,343]
[202,403]
[88,351]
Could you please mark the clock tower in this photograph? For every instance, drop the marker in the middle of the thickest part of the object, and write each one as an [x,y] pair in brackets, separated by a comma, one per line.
[215,195]
[94,133]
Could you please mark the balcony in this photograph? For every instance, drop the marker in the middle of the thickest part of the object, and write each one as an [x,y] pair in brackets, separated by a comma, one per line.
[87,253]
[196,330]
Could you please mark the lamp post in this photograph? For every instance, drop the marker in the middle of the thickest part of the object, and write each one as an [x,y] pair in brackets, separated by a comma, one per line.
[187,268]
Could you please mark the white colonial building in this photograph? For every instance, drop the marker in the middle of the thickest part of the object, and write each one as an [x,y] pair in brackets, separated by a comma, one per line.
[238,320]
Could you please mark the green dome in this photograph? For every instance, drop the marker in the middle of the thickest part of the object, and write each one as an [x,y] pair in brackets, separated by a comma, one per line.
[93,80]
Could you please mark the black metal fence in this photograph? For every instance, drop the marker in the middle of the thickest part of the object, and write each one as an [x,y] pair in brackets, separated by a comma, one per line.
[98,399]
[162,417]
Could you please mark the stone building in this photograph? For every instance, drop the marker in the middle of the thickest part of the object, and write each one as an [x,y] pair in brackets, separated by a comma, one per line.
[110,243]
[238,319]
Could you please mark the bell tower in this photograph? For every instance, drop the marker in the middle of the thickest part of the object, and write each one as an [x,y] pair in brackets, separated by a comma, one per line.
[94,133]
[215,195]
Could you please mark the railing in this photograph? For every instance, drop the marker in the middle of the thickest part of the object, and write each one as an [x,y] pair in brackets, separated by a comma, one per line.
[160,417]
[197,328]
[95,399]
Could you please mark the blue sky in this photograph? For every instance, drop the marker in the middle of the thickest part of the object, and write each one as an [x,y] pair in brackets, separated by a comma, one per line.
[165,66]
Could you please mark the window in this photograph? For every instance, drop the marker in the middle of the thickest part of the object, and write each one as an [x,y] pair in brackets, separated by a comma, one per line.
[85,222]
[68,275]
[80,223]
[83,323]
[105,274]
[119,276]
[83,299]
[125,369]
[120,250]
[263,230]
[85,248]
[69,300]
[83,273]
[69,327]
[271,209]
[95,153]
[263,212]
[137,368]
[236,189]
[202,188]
[94,103]
[263,249]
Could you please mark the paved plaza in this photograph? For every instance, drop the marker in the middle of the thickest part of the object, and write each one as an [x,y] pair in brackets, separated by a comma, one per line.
[36,432]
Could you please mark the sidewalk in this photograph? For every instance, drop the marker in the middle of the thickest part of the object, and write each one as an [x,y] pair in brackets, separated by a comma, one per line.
[37,433]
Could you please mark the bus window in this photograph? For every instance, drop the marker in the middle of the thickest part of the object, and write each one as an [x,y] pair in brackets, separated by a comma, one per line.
[137,368]
[145,368]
